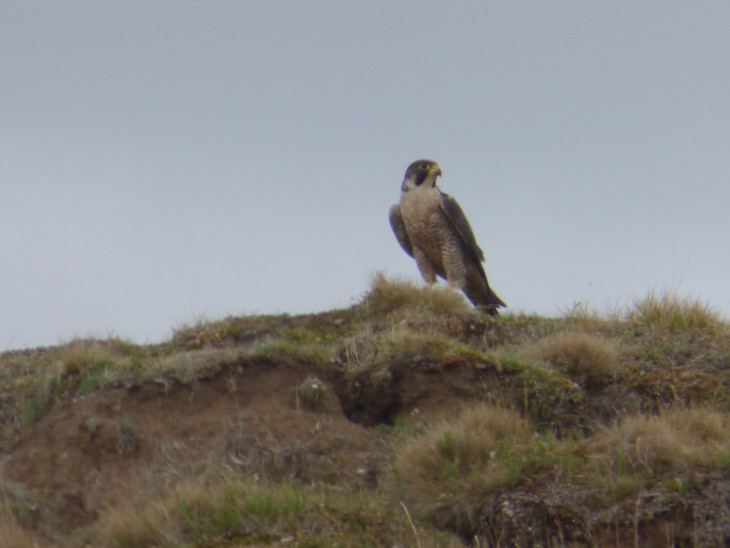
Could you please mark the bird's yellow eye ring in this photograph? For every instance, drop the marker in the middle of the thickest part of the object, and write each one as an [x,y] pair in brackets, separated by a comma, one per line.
[424,167]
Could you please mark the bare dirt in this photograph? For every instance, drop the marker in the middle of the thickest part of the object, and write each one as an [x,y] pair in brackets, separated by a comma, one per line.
[252,411]
[255,414]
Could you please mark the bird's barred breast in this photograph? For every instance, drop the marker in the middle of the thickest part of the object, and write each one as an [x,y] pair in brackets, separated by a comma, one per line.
[423,219]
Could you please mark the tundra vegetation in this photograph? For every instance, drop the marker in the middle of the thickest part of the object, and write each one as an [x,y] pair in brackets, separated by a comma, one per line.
[407,419]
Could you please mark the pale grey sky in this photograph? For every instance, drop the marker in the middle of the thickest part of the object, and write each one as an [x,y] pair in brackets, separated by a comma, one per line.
[169,160]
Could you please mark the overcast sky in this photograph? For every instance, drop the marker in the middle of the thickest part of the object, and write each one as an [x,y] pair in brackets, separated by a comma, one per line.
[167,161]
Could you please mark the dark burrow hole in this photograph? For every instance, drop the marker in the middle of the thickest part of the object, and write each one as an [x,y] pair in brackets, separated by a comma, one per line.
[369,399]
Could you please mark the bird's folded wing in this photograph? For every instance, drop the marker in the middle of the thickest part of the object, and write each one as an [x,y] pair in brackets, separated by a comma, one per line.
[458,220]
[399,228]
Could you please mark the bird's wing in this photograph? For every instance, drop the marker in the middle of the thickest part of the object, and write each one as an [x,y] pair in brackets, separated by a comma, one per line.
[399,228]
[458,220]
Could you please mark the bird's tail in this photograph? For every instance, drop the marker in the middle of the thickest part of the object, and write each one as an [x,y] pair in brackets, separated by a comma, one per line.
[482,296]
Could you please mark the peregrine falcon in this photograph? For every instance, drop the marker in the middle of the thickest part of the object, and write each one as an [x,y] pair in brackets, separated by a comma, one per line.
[432,228]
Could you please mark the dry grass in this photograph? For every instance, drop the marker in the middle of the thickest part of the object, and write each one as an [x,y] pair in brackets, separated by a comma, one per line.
[147,520]
[84,365]
[235,492]
[78,356]
[244,489]
[677,441]
[389,295]
[399,342]
[195,513]
[189,367]
[306,352]
[672,313]
[577,353]
[448,475]
[406,321]
[82,356]
[12,533]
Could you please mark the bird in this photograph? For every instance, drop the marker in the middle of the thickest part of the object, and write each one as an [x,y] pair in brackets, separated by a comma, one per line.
[431,227]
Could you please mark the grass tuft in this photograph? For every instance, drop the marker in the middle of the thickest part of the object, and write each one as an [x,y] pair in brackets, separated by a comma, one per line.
[577,353]
[313,393]
[672,313]
[214,513]
[448,475]
[401,356]
[126,436]
[192,366]
[677,441]
[81,356]
[304,352]
[389,295]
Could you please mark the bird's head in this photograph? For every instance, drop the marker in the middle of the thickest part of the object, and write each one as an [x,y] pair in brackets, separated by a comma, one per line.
[421,173]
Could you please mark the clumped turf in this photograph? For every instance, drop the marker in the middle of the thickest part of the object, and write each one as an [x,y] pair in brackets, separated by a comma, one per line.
[579,354]
[678,441]
[565,421]
[448,475]
[388,296]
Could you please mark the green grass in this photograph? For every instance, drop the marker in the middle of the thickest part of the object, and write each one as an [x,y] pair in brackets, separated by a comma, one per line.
[87,385]
[235,511]
[448,474]
[126,436]
[672,313]
[598,406]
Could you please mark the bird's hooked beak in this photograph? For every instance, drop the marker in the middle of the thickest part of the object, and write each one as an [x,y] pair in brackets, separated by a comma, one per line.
[433,174]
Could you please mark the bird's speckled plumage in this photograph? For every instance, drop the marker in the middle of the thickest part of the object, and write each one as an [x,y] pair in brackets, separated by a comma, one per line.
[432,228]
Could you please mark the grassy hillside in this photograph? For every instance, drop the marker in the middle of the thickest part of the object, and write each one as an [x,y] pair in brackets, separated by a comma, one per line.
[405,420]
